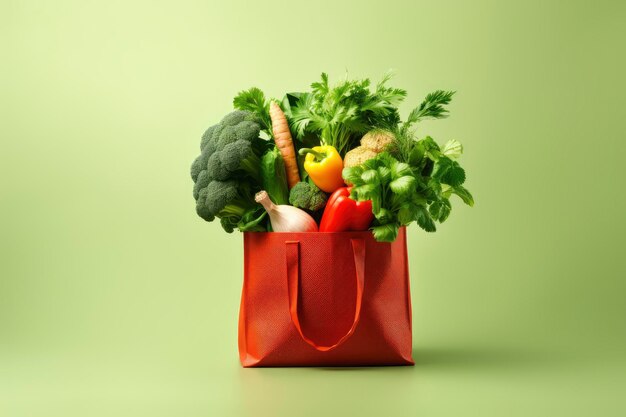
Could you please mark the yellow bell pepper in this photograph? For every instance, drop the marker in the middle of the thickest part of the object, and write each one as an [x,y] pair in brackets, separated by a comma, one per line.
[324,166]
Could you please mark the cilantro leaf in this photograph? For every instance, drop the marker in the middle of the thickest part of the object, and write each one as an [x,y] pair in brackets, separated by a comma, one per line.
[406,213]
[440,210]
[386,232]
[452,149]
[448,171]
[403,185]
[253,100]
[464,194]
[424,220]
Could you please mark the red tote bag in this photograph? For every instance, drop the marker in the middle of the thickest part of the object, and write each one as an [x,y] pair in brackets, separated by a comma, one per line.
[324,299]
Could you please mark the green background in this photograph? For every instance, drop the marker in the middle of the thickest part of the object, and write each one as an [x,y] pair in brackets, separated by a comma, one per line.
[117,300]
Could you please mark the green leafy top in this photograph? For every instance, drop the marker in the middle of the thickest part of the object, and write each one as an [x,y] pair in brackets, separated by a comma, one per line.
[417,190]
[431,108]
[253,100]
[340,115]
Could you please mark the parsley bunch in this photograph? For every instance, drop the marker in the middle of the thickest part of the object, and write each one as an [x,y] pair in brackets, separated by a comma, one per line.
[340,115]
[418,190]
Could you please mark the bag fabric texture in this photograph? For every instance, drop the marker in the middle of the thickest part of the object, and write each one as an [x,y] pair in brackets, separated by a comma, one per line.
[325,299]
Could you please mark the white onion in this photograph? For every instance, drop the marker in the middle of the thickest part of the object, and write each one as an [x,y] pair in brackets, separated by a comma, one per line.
[286,218]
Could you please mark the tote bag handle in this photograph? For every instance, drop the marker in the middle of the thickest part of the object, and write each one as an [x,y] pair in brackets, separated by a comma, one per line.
[293,263]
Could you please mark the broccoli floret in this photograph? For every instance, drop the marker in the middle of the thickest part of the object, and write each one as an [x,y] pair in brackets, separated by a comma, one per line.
[224,199]
[237,125]
[307,196]
[235,117]
[228,170]
[235,156]
[230,146]
[228,224]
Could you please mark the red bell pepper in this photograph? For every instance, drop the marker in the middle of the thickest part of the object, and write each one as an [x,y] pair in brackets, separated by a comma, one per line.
[343,214]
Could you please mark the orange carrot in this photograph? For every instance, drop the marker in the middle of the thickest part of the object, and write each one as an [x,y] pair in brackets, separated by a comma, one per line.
[284,143]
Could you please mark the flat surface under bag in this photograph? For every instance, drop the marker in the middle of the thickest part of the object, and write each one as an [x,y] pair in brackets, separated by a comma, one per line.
[324,299]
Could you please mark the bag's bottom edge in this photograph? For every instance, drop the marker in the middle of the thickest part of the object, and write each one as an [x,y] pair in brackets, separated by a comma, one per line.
[322,365]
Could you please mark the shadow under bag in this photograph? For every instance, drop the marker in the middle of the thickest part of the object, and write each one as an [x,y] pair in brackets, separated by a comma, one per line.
[324,299]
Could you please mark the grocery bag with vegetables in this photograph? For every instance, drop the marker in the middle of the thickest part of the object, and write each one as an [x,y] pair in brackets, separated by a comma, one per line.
[339,158]
[334,175]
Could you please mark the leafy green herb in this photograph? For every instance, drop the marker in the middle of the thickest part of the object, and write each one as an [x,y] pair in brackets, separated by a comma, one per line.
[253,100]
[391,186]
[401,193]
[431,108]
[340,115]
[452,149]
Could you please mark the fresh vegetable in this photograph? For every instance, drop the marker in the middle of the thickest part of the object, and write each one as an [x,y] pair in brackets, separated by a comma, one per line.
[357,156]
[307,196]
[391,187]
[432,107]
[324,166]
[403,193]
[232,203]
[286,218]
[372,143]
[377,140]
[274,177]
[284,142]
[227,172]
[395,178]
[345,214]
[341,115]
[228,147]
[254,101]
